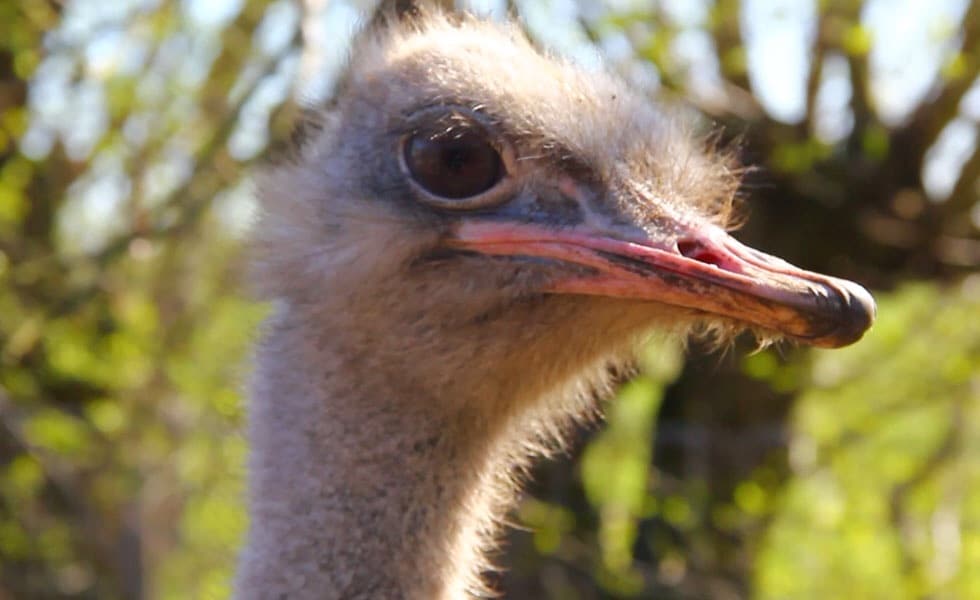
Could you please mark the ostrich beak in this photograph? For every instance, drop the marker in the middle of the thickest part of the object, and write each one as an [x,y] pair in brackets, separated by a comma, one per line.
[703,269]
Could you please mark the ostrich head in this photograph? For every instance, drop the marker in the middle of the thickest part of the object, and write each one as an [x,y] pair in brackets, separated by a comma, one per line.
[466,204]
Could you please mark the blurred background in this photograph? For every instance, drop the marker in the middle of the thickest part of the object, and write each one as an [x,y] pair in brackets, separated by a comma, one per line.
[128,131]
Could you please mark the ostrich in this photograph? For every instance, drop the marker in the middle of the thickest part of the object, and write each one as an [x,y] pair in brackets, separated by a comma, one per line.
[472,234]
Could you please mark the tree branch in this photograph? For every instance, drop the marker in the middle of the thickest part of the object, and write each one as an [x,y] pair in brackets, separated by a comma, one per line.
[931,116]
[965,193]
[727,33]
[816,75]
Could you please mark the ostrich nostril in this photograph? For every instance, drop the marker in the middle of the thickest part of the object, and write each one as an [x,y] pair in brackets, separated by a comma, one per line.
[695,250]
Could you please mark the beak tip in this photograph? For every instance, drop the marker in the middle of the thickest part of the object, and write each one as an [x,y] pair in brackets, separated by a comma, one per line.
[858,312]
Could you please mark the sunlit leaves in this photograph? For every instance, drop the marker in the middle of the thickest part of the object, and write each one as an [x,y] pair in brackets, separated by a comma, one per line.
[56,432]
[616,470]
[880,505]
[549,522]
[875,142]
[122,342]
[15,175]
[856,40]
[799,157]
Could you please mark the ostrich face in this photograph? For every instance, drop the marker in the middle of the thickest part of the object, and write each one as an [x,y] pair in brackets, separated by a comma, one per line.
[463,177]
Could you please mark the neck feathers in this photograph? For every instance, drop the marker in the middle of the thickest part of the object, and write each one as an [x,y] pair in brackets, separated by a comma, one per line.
[361,488]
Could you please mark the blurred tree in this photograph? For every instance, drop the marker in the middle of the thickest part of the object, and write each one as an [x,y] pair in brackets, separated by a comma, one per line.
[121,346]
[126,134]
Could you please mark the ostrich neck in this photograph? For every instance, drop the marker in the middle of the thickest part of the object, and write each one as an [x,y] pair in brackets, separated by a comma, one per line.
[361,487]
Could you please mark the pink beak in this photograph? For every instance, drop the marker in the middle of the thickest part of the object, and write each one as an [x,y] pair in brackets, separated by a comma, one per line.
[706,270]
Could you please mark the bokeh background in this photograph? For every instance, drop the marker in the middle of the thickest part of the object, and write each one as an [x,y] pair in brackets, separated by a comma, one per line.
[128,131]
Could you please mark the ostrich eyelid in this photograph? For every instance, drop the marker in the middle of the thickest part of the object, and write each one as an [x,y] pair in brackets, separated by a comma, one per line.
[423,120]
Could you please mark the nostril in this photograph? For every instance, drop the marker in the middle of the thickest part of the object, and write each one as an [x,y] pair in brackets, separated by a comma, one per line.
[696,251]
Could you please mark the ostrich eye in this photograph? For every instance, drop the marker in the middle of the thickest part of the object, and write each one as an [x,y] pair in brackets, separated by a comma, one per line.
[455,164]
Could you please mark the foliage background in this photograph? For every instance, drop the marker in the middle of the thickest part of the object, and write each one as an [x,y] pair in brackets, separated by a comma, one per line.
[127,130]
